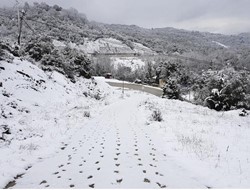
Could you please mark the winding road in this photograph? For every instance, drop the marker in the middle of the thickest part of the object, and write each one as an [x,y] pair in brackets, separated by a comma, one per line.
[144,88]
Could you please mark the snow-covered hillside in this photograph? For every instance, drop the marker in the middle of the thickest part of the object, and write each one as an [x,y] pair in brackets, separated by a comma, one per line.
[131,62]
[107,46]
[122,54]
[221,45]
[89,135]
[38,111]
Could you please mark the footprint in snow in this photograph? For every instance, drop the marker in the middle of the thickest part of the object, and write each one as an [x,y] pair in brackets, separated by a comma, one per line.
[44,181]
[160,185]
[119,180]
[146,180]
[152,165]
[28,168]
[92,185]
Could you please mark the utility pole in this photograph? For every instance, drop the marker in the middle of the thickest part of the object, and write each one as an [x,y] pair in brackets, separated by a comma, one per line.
[123,87]
[20,23]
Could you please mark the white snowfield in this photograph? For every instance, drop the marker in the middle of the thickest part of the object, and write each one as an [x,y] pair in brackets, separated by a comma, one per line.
[120,145]
[107,45]
[133,63]
[220,44]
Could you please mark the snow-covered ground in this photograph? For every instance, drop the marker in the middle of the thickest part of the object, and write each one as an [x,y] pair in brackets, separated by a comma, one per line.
[41,110]
[107,45]
[220,44]
[121,145]
[133,63]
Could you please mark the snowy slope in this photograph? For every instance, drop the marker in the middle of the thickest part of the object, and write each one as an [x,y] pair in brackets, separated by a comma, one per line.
[120,145]
[40,110]
[133,63]
[107,46]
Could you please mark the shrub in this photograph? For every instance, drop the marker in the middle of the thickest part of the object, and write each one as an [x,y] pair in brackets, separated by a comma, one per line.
[37,48]
[156,115]
[86,114]
[171,90]
[233,87]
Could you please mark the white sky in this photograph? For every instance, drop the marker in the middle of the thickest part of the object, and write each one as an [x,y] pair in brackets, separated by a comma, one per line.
[220,16]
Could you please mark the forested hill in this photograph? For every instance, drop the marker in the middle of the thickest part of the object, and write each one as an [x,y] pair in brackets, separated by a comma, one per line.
[206,46]
[72,26]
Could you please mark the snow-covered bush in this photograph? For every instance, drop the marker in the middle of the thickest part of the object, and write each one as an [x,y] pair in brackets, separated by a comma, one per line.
[156,115]
[6,52]
[171,90]
[68,61]
[233,87]
[39,47]
[86,114]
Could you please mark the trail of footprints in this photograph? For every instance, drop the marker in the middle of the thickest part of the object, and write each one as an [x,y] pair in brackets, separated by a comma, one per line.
[117,155]
[152,154]
[61,167]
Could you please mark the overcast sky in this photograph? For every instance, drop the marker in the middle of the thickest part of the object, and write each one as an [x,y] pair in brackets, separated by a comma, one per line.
[219,16]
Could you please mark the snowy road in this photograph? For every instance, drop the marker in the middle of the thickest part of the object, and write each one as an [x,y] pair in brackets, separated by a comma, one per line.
[114,150]
[143,88]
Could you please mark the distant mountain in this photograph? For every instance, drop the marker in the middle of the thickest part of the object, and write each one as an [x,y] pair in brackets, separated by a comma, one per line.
[70,26]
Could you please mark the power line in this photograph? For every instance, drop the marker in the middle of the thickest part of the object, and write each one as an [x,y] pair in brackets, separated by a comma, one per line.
[53,26]
[29,26]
